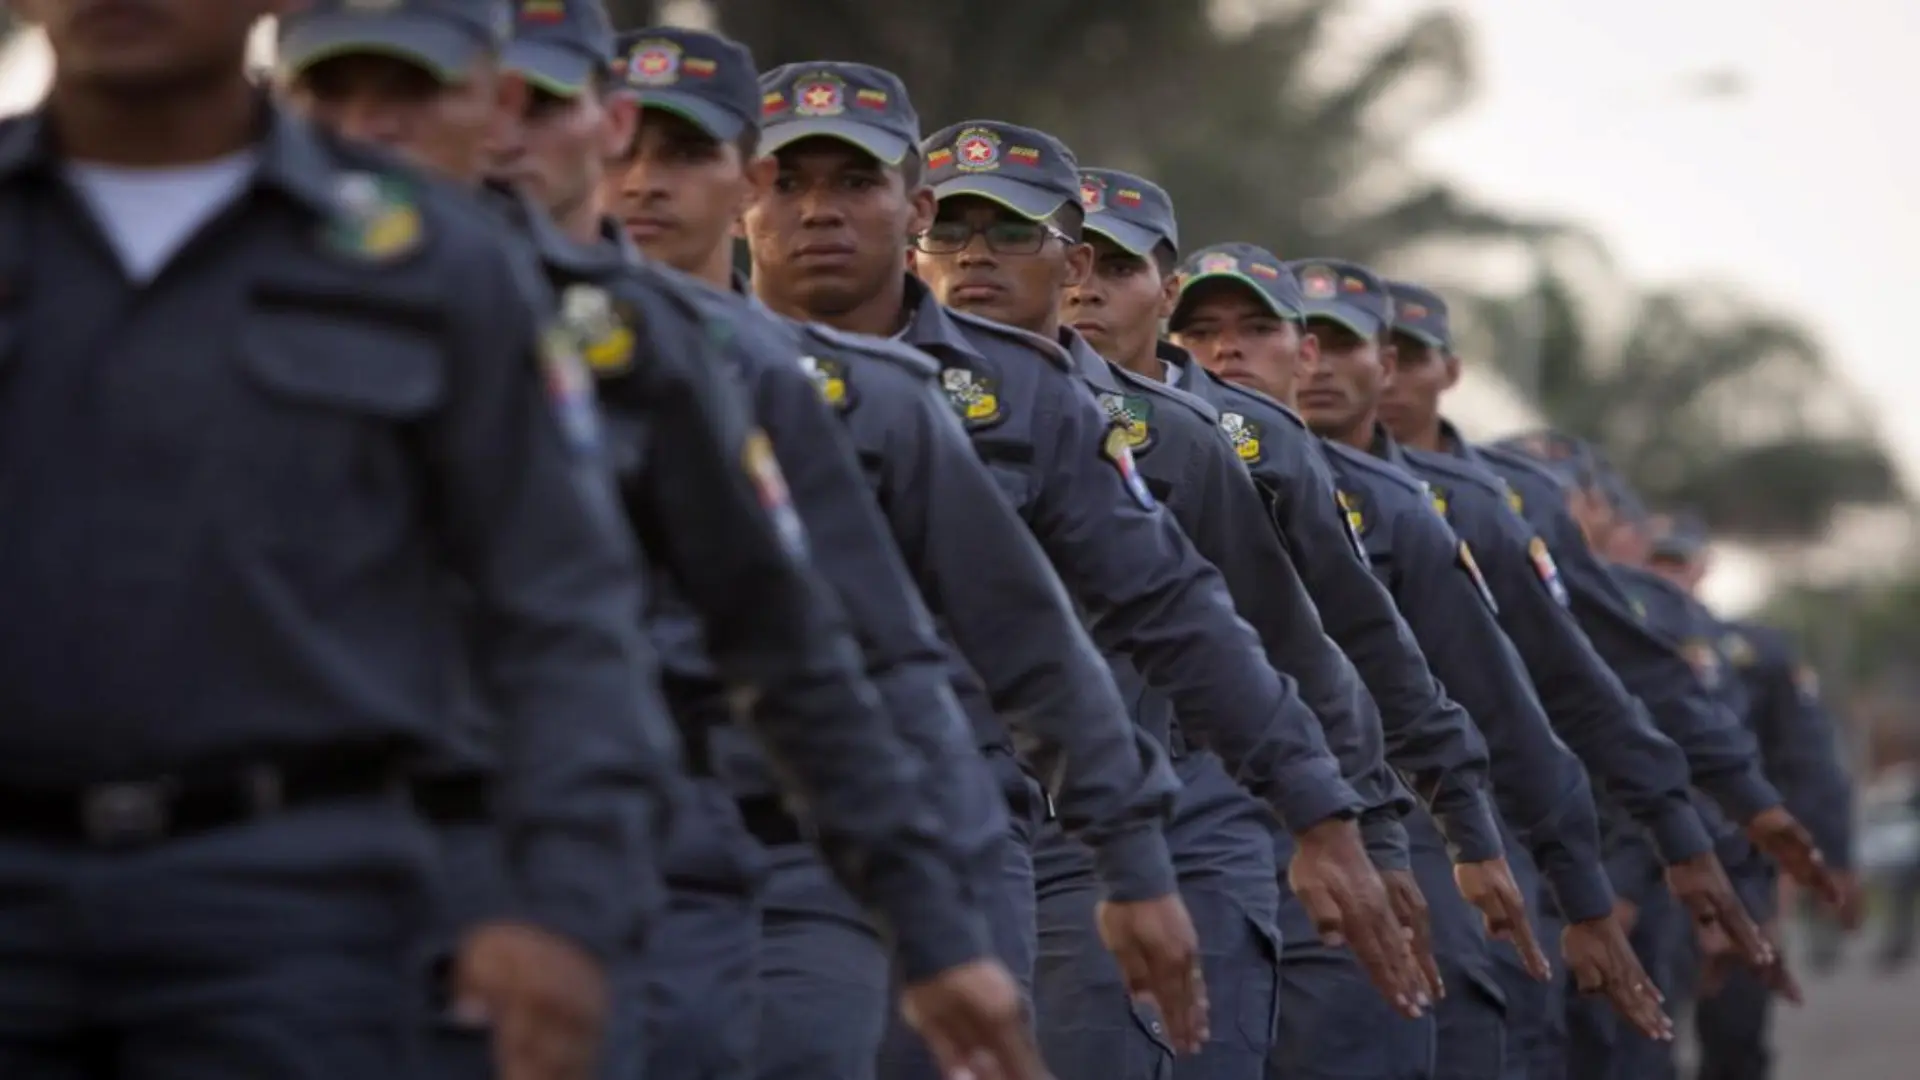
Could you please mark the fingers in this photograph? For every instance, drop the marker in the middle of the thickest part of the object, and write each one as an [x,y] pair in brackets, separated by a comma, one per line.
[1328,920]
[1780,979]
[1382,951]
[1747,939]
[1173,981]
[1532,956]
[1633,995]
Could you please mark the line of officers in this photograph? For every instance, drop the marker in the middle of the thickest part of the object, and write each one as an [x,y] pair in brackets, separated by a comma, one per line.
[458,625]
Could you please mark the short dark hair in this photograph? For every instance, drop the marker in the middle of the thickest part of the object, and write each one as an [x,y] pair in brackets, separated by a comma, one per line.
[1165,258]
[1070,219]
[747,142]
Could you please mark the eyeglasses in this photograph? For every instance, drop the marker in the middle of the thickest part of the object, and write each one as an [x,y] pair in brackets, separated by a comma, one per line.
[1003,237]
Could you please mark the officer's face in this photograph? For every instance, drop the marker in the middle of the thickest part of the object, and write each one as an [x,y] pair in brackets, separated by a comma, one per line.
[146,47]
[1120,305]
[1021,290]
[830,233]
[557,153]
[1410,402]
[1232,334]
[679,191]
[1342,387]
[444,127]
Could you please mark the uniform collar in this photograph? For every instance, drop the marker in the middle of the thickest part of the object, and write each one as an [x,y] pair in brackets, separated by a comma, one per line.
[931,329]
[293,160]
[1385,448]
[1090,364]
[1455,443]
[1186,373]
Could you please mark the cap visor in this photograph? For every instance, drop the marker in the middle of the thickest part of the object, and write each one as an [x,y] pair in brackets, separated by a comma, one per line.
[886,148]
[1035,204]
[1424,337]
[717,122]
[556,69]
[442,49]
[1360,322]
[1273,306]
[1136,239]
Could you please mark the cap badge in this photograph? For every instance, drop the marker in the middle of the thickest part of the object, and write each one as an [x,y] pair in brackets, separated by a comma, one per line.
[1318,283]
[820,96]
[654,63]
[977,150]
[1219,263]
[1093,194]
[1127,197]
[1415,311]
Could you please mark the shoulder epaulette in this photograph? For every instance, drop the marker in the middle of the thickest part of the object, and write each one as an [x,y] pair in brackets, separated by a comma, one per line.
[902,355]
[1049,349]
[1134,380]
[1458,470]
[1386,470]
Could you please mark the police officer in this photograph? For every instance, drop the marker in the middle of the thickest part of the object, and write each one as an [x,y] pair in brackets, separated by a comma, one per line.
[1073,481]
[1329,1021]
[258,384]
[1651,672]
[977,566]
[820,735]
[1223,837]
[1350,311]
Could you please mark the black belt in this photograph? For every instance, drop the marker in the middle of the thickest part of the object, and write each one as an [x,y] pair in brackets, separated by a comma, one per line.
[767,819]
[142,813]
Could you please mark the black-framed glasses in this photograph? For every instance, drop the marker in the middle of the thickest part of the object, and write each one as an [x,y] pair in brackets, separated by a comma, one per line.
[1003,237]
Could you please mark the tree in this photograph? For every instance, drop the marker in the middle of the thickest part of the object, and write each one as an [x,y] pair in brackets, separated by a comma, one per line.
[1699,399]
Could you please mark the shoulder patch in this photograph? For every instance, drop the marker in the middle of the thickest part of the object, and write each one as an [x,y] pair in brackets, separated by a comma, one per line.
[763,471]
[1353,511]
[1517,504]
[1014,336]
[1472,569]
[830,376]
[1132,414]
[1704,660]
[1115,449]
[1440,500]
[569,388]
[1245,435]
[974,397]
[600,326]
[376,218]
[1547,570]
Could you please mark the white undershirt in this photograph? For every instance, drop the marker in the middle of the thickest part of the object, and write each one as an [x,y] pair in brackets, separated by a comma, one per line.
[148,214]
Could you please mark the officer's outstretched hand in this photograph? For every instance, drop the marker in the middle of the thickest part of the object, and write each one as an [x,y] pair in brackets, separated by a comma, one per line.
[974,1024]
[1701,884]
[1416,925]
[1784,840]
[1159,956]
[544,998]
[1337,884]
[1489,886]
[1602,962]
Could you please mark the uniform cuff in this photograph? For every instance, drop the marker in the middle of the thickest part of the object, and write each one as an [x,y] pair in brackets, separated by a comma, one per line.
[1744,796]
[1136,865]
[1679,833]
[1632,869]
[1312,792]
[1472,832]
[933,929]
[1582,890]
[1388,846]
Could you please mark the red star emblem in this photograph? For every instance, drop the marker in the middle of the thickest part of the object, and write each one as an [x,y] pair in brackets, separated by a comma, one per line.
[1090,196]
[977,150]
[819,96]
[653,64]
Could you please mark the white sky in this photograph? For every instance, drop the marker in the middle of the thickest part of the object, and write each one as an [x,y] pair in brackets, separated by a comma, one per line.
[1801,189]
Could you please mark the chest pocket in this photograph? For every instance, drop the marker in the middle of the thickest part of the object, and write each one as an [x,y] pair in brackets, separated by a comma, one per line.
[324,442]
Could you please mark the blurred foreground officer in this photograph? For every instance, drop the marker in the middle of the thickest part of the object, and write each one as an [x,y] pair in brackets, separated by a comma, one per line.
[1031,675]
[1224,840]
[315,398]
[387,76]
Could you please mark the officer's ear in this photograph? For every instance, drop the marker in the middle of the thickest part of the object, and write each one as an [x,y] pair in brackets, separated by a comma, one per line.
[922,208]
[1079,264]
[510,101]
[619,125]
[1451,365]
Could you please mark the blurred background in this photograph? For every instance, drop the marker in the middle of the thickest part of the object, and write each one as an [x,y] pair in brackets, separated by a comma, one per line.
[1679,230]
